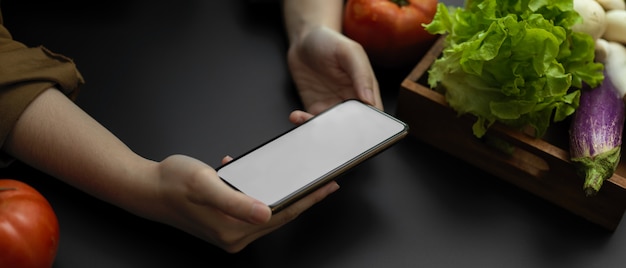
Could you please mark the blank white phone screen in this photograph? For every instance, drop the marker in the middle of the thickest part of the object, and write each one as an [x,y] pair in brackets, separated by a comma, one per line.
[307,153]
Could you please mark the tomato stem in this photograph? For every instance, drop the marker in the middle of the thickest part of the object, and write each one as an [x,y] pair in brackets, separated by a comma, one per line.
[401,3]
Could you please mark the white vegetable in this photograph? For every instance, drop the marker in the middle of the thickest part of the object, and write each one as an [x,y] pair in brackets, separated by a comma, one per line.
[615,65]
[612,4]
[594,18]
[615,26]
[602,50]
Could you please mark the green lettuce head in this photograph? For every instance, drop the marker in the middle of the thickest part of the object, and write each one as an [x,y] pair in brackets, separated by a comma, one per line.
[516,62]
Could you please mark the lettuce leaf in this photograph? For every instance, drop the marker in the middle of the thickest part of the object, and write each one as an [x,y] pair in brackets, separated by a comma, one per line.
[515,62]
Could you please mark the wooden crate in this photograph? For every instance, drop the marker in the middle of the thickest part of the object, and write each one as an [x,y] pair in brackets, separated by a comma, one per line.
[540,166]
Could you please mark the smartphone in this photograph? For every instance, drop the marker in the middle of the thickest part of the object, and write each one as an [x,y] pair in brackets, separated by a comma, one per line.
[299,161]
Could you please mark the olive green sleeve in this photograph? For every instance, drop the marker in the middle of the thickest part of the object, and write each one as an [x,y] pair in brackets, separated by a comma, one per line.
[25,72]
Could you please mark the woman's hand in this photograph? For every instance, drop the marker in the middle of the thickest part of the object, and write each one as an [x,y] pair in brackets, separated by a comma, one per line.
[197,201]
[328,67]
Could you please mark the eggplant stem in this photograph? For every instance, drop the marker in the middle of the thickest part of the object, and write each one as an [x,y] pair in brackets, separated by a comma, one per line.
[597,169]
[593,182]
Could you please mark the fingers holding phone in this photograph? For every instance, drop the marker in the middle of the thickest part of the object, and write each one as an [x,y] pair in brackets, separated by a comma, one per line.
[298,117]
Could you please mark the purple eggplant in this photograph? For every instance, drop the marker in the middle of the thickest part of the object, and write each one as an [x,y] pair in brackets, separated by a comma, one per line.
[596,133]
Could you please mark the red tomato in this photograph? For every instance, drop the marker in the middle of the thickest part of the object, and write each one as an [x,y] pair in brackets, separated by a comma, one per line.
[29,230]
[390,31]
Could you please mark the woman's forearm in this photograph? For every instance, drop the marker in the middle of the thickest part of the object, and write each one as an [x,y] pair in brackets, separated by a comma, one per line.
[57,137]
[302,15]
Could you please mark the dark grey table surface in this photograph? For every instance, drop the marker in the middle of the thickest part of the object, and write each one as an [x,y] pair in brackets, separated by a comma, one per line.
[209,78]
